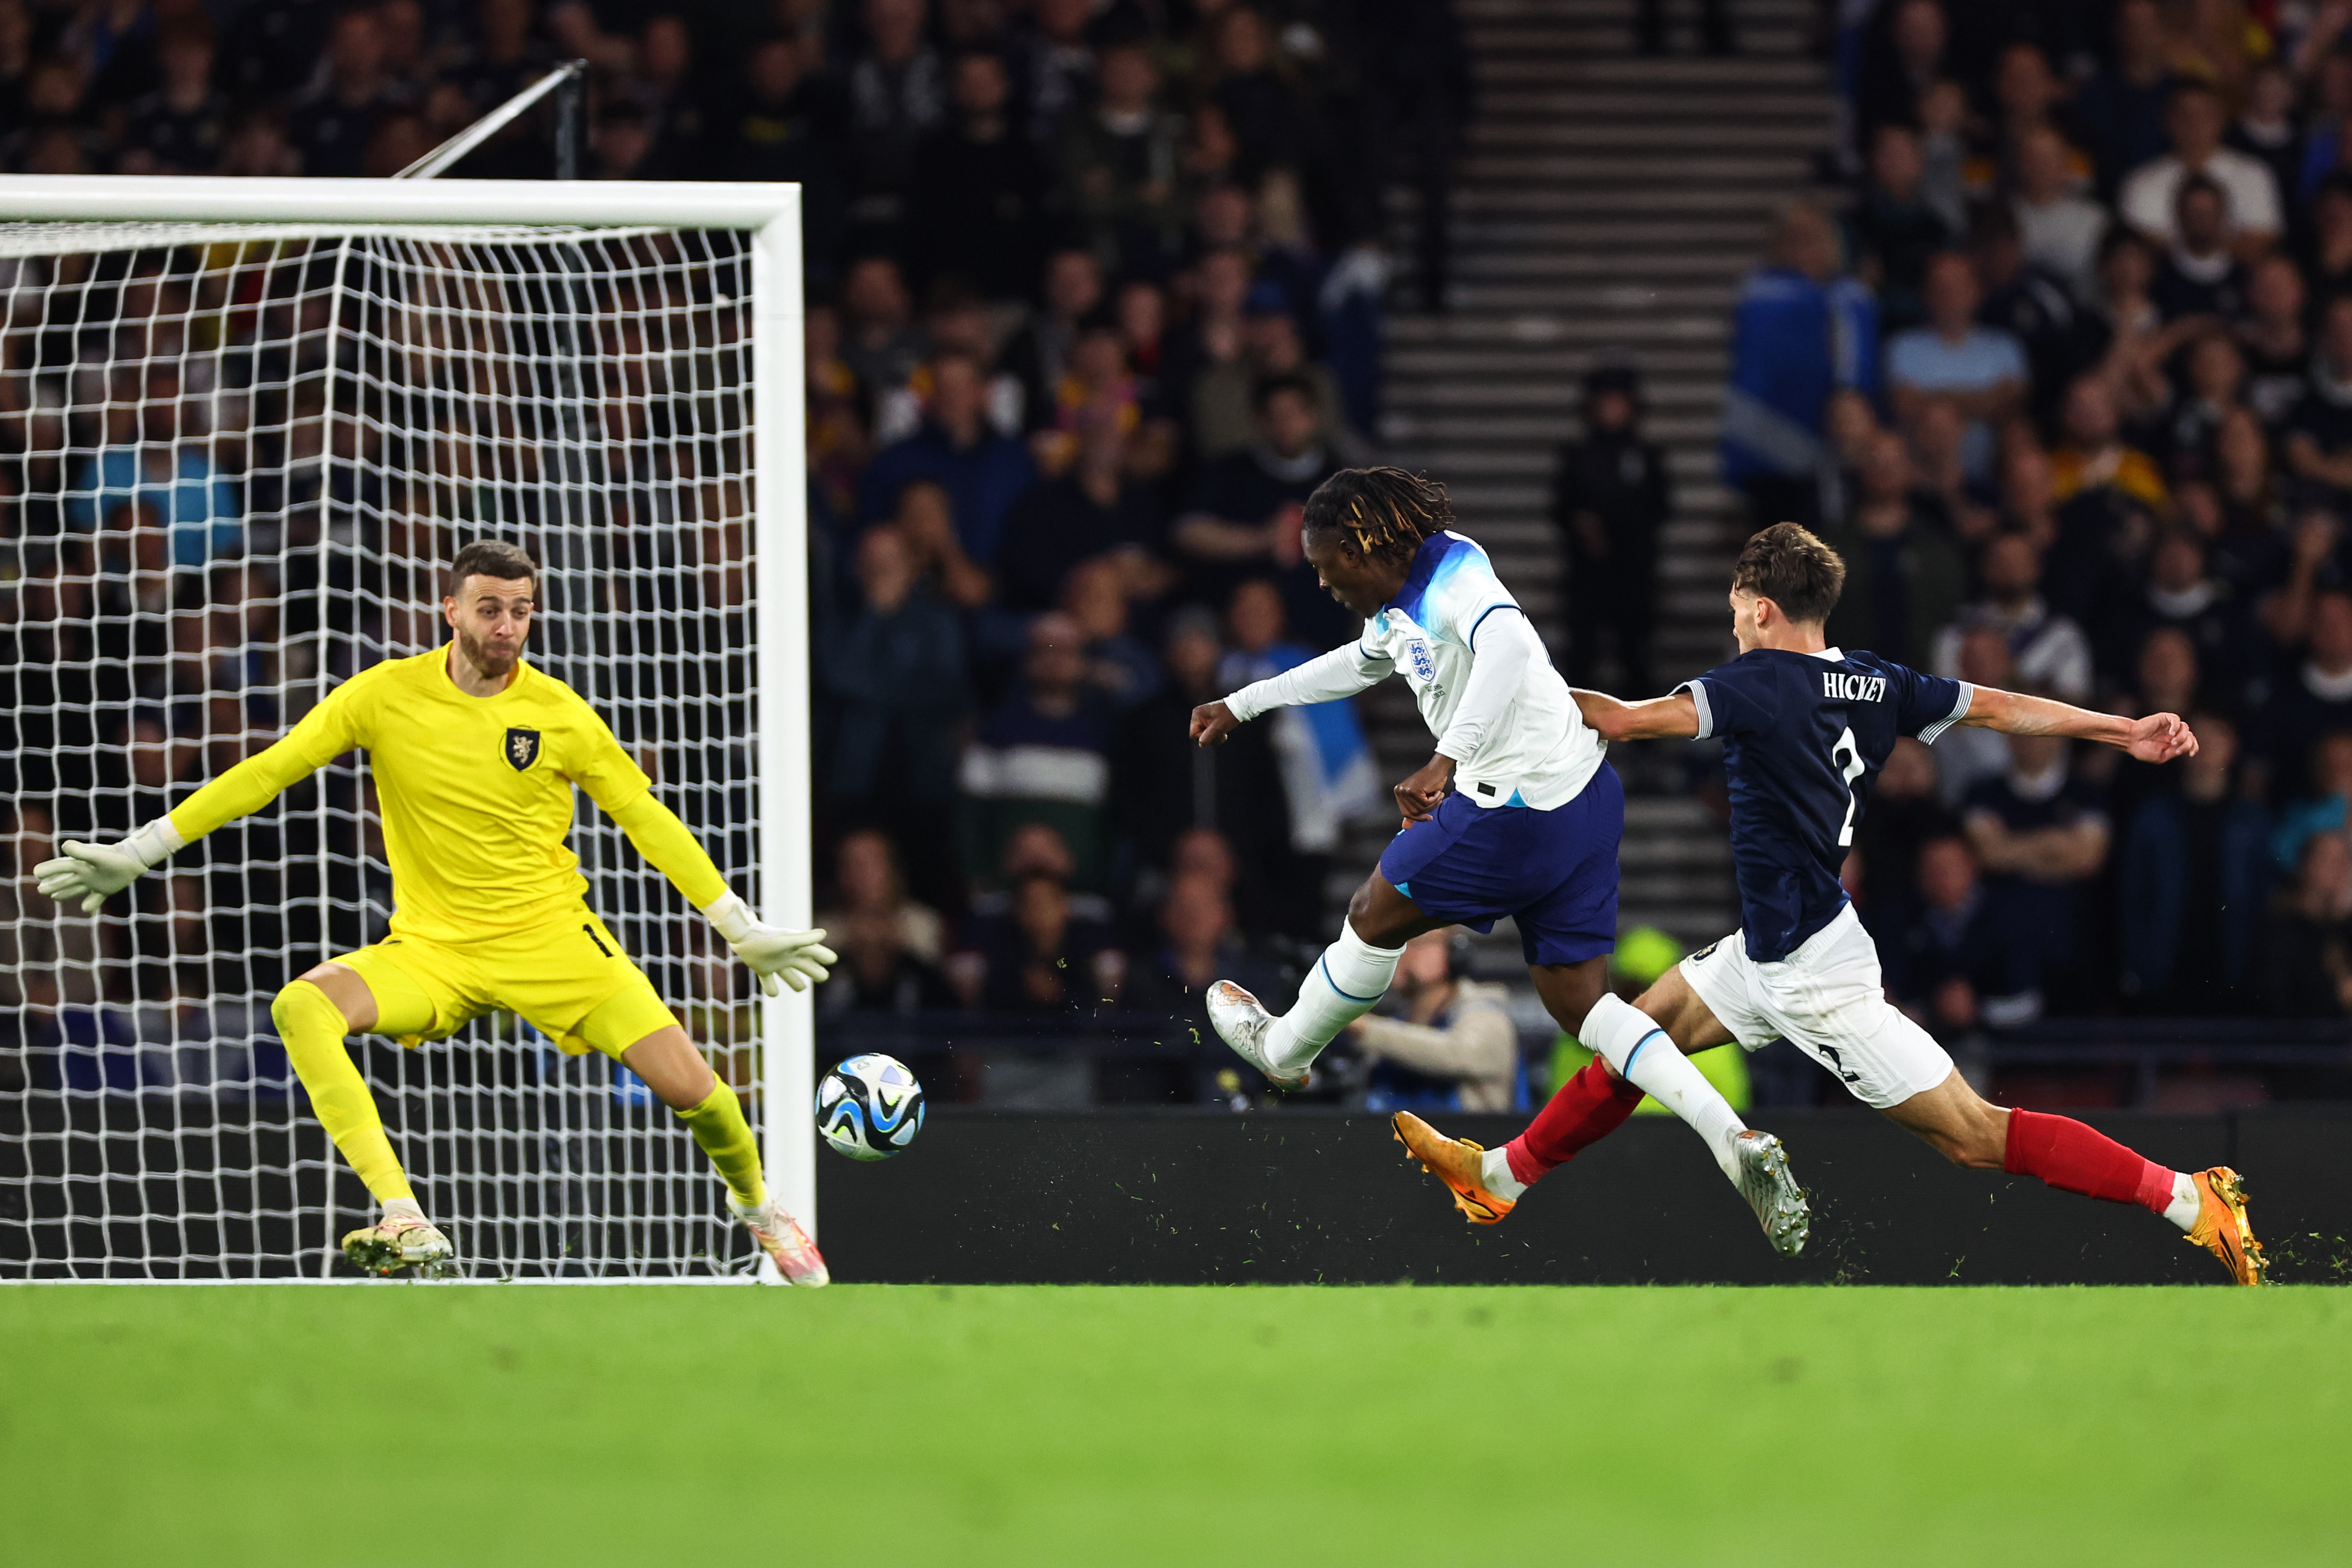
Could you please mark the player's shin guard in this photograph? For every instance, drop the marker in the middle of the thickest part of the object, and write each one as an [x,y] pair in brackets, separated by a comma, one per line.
[720,1131]
[2075,1158]
[1586,1109]
[1350,976]
[1632,1042]
[312,1028]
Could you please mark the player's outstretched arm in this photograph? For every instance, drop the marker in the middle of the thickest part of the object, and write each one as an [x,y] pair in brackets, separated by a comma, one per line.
[92,873]
[779,957]
[2159,738]
[1343,672]
[1671,717]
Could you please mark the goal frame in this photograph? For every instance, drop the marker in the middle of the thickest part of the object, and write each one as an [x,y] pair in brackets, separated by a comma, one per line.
[769,215]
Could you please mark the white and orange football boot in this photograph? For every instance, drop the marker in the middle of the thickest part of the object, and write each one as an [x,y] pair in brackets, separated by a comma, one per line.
[788,1247]
[1455,1162]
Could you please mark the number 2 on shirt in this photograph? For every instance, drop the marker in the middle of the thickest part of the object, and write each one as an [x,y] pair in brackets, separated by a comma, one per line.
[1847,754]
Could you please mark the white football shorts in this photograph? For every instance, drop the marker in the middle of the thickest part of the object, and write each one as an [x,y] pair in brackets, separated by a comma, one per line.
[1828,1000]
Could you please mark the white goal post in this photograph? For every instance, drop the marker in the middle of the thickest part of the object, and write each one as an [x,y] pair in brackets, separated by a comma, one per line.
[243,424]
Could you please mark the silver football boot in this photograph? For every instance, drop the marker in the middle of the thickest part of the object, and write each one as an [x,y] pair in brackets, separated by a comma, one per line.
[1763,1178]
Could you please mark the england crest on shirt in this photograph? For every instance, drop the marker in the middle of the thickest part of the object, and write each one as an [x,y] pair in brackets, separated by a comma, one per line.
[1424,668]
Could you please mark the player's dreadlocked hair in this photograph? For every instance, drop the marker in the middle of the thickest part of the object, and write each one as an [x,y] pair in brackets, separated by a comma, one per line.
[1383,512]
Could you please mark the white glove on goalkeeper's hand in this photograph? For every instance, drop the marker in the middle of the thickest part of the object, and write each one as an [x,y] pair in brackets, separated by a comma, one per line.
[799,958]
[95,872]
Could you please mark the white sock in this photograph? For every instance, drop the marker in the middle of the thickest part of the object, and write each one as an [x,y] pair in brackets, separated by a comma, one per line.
[1346,981]
[397,1208]
[1495,1175]
[2185,1205]
[1633,1044]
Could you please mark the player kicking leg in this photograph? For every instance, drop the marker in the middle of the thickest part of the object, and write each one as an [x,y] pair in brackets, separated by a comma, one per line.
[1517,813]
[476,756]
[1804,726]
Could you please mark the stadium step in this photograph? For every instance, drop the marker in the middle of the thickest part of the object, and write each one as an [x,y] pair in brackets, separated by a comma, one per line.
[1608,205]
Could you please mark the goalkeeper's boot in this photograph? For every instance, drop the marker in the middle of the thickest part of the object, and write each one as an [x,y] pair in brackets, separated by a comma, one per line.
[2221,1226]
[1457,1163]
[780,1235]
[399,1241]
[1242,1022]
[1762,1176]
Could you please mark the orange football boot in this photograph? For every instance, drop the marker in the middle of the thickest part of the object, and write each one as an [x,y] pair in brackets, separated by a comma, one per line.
[2221,1226]
[1454,1161]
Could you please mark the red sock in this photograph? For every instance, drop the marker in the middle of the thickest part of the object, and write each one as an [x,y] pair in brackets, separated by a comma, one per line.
[2075,1158]
[1587,1107]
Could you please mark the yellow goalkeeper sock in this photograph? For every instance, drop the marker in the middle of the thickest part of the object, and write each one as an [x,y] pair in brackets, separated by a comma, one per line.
[719,1127]
[313,1028]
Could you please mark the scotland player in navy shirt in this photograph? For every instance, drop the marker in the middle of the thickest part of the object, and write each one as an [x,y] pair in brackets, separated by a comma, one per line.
[1804,728]
[1516,813]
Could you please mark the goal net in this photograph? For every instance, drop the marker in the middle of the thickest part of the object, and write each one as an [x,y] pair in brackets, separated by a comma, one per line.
[234,459]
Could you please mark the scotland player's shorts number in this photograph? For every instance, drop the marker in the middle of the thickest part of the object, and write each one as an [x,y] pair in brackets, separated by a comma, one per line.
[1847,756]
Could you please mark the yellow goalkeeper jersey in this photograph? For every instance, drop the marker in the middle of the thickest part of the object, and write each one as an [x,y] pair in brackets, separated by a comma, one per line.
[475,793]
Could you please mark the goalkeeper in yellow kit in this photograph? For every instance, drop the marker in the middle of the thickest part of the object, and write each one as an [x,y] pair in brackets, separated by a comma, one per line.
[475,756]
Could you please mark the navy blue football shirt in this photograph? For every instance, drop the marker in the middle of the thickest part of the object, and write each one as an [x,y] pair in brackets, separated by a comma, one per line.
[1803,735]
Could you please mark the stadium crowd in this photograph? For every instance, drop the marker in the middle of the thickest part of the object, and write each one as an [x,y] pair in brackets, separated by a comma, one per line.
[2067,379]
[1094,304]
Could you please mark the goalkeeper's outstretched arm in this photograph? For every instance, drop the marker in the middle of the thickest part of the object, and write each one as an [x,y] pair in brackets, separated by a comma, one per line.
[797,958]
[93,873]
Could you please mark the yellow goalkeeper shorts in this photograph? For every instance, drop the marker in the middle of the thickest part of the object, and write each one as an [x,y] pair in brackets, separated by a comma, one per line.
[568,979]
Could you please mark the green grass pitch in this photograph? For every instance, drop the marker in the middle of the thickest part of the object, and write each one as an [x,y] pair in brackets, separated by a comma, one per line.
[1042,1426]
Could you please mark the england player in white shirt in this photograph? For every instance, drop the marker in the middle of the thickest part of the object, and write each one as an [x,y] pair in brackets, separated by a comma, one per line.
[1517,813]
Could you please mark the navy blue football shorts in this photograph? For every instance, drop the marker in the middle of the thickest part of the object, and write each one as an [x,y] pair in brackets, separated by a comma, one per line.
[1554,872]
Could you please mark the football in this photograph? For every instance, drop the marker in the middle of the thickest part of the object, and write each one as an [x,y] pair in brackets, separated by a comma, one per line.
[869,1106]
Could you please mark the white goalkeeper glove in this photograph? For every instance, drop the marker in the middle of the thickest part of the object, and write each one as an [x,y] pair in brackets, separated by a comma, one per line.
[798,958]
[95,872]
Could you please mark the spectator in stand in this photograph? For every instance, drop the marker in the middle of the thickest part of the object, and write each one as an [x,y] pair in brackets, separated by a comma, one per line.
[982,472]
[2040,834]
[1043,960]
[1945,155]
[2314,700]
[897,93]
[1058,69]
[896,678]
[891,947]
[662,85]
[2306,948]
[880,342]
[1955,962]
[1329,777]
[2213,378]
[1897,70]
[1905,575]
[2318,435]
[926,521]
[1199,946]
[1092,510]
[1800,333]
[1119,167]
[1982,369]
[1904,813]
[982,194]
[2265,128]
[1042,755]
[1452,1044]
[2193,886]
[1224,414]
[1258,103]
[2060,229]
[1245,512]
[1609,501]
[623,142]
[2325,807]
[2180,595]
[1894,230]
[2200,275]
[179,128]
[2051,652]
[147,463]
[2122,106]
[2194,120]
[2274,339]
[790,125]
[2094,456]
[1117,664]
[507,55]
[1164,787]
[331,127]
[1039,354]
[2328,257]
[2031,305]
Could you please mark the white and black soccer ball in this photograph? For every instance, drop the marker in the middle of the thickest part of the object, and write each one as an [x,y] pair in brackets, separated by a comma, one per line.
[869,1106]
